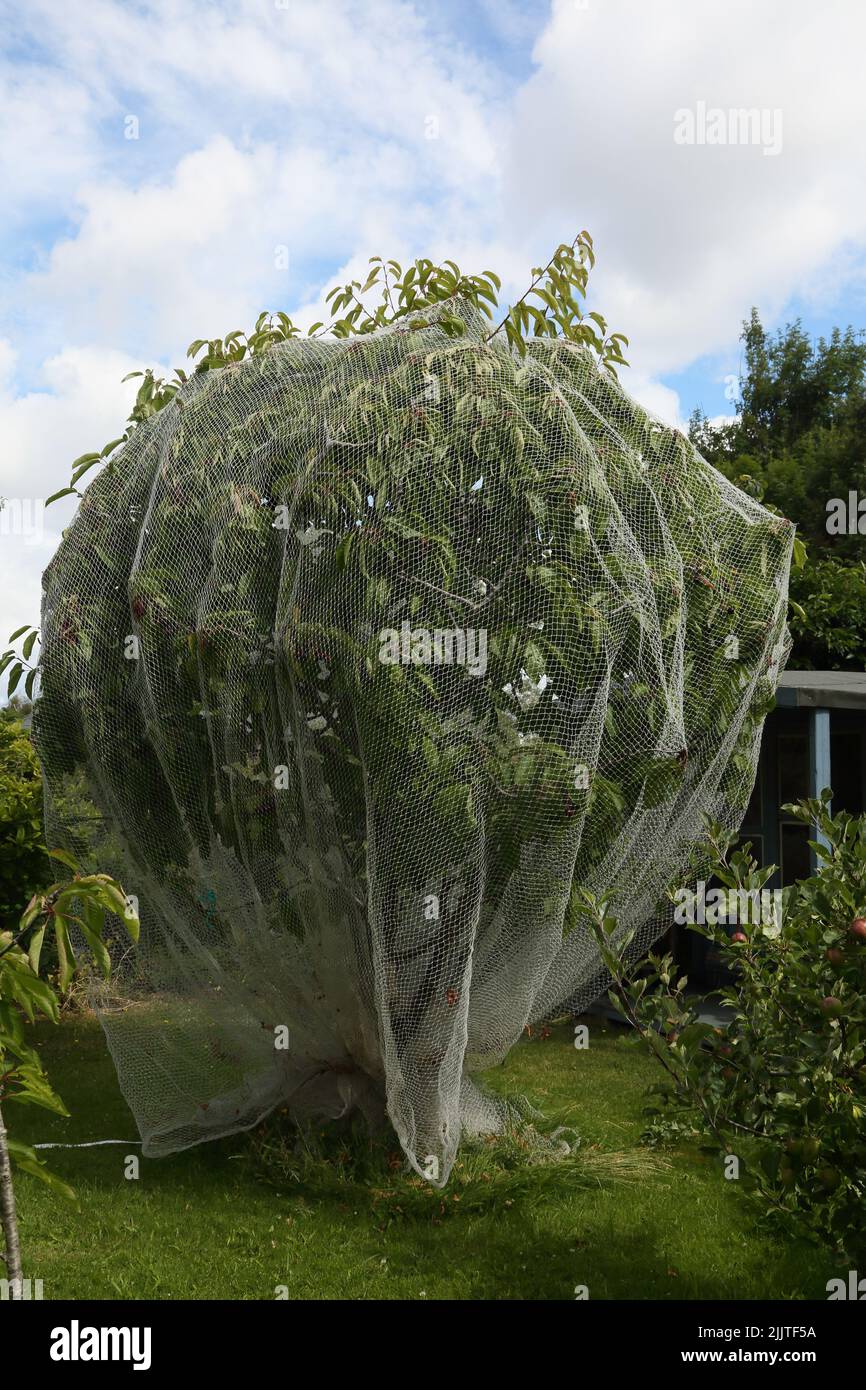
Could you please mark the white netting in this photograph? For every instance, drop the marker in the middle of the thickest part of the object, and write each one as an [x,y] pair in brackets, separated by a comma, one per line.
[361,656]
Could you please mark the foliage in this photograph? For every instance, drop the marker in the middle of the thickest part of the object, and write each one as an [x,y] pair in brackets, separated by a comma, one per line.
[19,665]
[79,905]
[504,421]
[296,499]
[783,1088]
[828,617]
[23,866]
[797,443]
[549,308]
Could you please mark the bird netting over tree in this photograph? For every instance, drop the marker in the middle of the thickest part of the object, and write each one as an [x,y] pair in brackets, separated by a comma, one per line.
[360,661]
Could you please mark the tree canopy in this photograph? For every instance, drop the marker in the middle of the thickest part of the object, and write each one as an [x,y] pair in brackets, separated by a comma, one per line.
[23,866]
[799,442]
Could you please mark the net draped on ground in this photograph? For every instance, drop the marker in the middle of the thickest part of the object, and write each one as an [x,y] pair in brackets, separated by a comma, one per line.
[361,655]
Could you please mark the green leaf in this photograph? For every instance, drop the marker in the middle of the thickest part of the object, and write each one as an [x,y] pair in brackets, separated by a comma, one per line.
[34,950]
[85,468]
[28,1161]
[30,993]
[65,953]
[92,936]
[662,781]
[65,858]
[341,555]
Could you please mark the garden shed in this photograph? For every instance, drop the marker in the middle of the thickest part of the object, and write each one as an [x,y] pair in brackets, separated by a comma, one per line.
[814,738]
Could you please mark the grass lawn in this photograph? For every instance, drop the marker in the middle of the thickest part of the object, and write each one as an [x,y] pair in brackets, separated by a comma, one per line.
[204,1224]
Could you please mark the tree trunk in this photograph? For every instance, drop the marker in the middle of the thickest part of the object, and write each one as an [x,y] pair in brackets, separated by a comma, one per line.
[9,1220]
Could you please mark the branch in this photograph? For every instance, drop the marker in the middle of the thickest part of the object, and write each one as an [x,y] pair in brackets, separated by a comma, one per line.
[528,292]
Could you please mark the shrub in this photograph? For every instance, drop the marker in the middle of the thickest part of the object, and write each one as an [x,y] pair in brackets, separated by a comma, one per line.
[783,1088]
[23,864]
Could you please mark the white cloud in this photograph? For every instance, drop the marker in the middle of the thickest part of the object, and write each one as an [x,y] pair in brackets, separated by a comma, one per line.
[660,400]
[48,141]
[80,405]
[307,127]
[259,128]
[329,129]
[690,236]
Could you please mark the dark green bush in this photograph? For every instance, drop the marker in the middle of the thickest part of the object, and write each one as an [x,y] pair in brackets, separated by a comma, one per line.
[783,1088]
[23,864]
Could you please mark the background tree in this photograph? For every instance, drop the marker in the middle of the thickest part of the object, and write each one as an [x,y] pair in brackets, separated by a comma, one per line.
[23,865]
[799,440]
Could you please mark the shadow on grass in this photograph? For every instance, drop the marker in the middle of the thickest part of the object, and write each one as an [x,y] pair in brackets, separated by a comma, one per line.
[334,1213]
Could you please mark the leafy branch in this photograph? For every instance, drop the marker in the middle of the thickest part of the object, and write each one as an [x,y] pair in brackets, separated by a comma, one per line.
[20,663]
[407,292]
[786,1078]
[84,902]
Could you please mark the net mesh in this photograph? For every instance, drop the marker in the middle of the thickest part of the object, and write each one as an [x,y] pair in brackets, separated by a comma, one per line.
[360,657]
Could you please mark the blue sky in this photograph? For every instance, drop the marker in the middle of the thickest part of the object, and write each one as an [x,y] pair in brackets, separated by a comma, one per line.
[485,130]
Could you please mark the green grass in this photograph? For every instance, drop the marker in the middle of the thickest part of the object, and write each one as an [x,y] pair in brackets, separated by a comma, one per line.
[208,1224]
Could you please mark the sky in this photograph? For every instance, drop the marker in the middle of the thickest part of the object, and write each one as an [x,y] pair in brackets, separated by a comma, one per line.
[169,168]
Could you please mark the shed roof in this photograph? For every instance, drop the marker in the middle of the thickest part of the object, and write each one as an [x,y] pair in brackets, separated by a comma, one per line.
[822,690]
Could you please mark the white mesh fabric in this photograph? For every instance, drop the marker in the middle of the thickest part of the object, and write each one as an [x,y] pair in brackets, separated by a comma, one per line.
[359,658]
